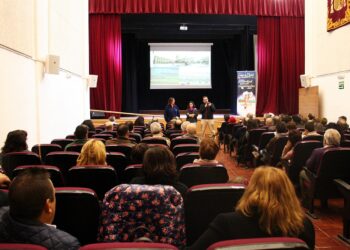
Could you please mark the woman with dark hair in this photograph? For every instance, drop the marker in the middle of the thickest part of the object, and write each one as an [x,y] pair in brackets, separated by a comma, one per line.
[89,124]
[191,112]
[171,110]
[140,121]
[159,167]
[138,152]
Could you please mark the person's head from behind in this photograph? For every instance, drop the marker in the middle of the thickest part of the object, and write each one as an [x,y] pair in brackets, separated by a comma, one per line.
[109,126]
[184,126]
[92,153]
[177,124]
[281,128]
[191,129]
[310,126]
[89,124]
[191,105]
[269,122]
[251,124]
[138,152]
[159,165]
[331,137]
[81,132]
[342,119]
[130,125]
[294,136]
[296,119]
[32,196]
[271,196]
[111,118]
[226,117]
[311,117]
[140,121]
[208,149]
[324,121]
[16,141]
[156,128]
[291,126]
[232,119]
[123,131]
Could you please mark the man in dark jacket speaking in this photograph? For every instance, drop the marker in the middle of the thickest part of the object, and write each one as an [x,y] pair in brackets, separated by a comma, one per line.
[32,210]
[207,110]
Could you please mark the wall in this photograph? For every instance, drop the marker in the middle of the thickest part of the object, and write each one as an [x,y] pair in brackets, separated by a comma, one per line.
[326,58]
[47,106]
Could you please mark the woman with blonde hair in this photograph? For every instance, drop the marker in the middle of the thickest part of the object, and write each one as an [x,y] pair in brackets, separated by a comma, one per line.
[92,153]
[269,207]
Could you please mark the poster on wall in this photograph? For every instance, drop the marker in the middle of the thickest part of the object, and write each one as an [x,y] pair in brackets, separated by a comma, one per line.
[338,14]
[246,92]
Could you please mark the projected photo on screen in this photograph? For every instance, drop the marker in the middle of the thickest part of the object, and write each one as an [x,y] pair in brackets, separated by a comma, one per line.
[180,66]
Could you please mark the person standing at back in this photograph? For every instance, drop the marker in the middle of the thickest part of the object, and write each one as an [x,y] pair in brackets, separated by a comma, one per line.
[207,109]
[171,110]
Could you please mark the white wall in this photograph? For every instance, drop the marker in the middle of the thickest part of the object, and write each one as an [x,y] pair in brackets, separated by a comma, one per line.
[327,56]
[47,106]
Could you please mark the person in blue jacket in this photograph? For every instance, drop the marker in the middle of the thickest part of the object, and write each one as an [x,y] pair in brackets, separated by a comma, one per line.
[172,111]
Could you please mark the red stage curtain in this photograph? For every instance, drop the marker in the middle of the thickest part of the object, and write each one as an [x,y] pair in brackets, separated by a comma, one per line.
[280,63]
[106,61]
[230,7]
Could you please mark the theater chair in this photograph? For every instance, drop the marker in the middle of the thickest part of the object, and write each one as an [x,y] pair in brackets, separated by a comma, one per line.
[62,142]
[334,165]
[128,245]
[63,160]
[302,152]
[313,138]
[265,137]
[154,140]
[118,161]
[74,148]
[97,177]
[131,172]
[196,174]
[19,246]
[77,213]
[43,149]
[260,243]
[105,136]
[136,137]
[254,136]
[91,133]
[130,212]
[344,188]
[185,158]
[277,153]
[70,137]
[177,141]
[345,143]
[55,173]
[204,202]
[121,148]
[12,160]
[185,148]
[174,135]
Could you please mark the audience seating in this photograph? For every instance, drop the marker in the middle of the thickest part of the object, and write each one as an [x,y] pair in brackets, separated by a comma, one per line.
[105,136]
[128,245]
[174,135]
[55,173]
[313,138]
[43,149]
[118,161]
[63,160]
[121,148]
[345,143]
[137,137]
[334,165]
[131,172]
[100,178]
[344,188]
[277,153]
[196,174]
[62,142]
[204,202]
[177,141]
[70,137]
[77,212]
[261,243]
[185,148]
[154,140]
[254,136]
[124,210]
[265,137]
[302,152]
[74,148]
[185,158]
[18,246]
[91,133]
[12,160]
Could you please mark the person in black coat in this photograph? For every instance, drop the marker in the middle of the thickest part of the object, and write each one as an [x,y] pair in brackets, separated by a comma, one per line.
[207,109]
[268,208]
[171,111]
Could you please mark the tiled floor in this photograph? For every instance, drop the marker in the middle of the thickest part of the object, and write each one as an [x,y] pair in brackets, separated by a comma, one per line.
[327,227]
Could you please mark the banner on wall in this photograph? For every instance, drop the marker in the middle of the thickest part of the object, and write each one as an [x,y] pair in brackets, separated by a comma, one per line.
[338,14]
[246,92]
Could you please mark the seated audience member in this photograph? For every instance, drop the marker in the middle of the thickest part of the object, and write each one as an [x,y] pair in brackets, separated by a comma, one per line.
[92,153]
[311,117]
[140,121]
[89,124]
[184,126]
[331,139]
[294,136]
[159,167]
[269,207]
[123,136]
[191,112]
[309,129]
[319,127]
[224,127]
[16,141]
[208,150]
[156,130]
[286,118]
[130,125]
[342,120]
[191,130]
[232,120]
[270,124]
[81,136]
[32,210]
[112,120]
[138,152]
[291,126]
[108,127]
[298,121]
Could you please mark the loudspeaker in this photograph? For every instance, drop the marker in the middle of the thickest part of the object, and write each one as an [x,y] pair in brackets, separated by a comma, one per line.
[92,81]
[305,81]
[52,64]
